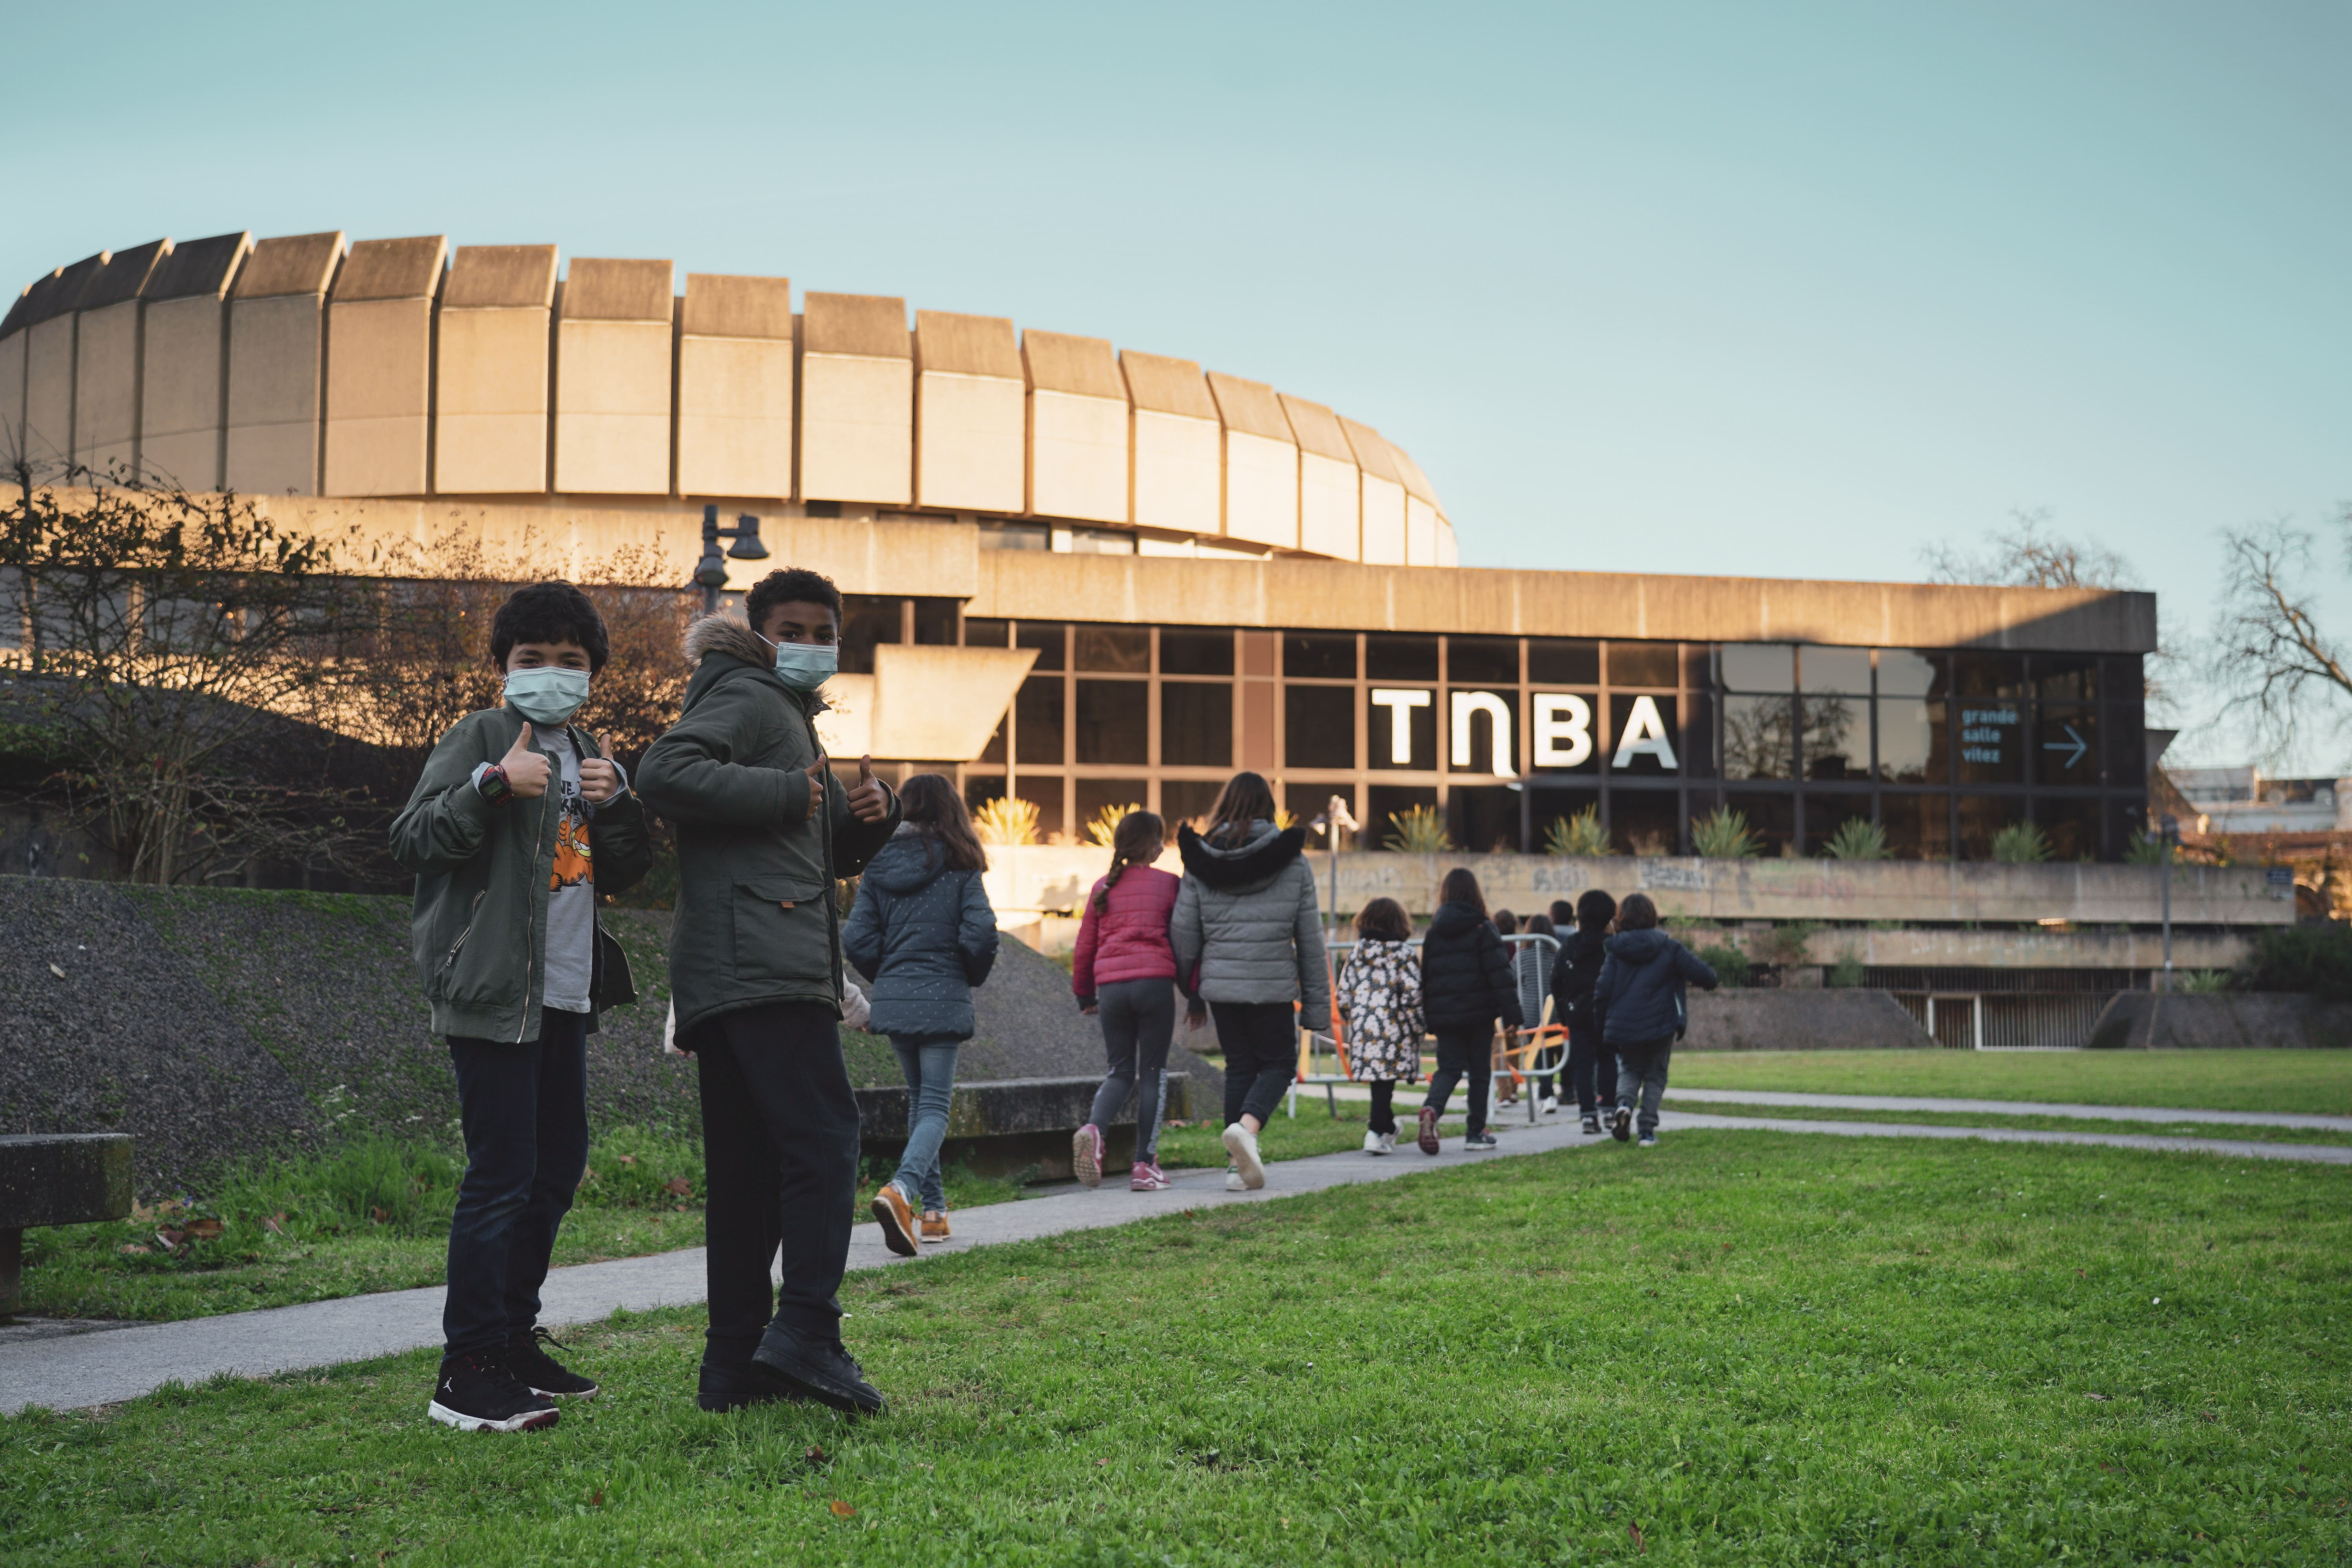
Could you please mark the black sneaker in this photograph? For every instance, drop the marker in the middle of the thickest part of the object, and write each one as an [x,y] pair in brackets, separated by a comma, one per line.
[1478,1141]
[476,1393]
[722,1388]
[1592,1124]
[540,1372]
[823,1372]
[1620,1126]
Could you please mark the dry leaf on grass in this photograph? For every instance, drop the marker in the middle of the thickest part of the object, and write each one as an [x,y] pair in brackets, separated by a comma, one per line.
[276,1222]
[204,1229]
[1639,1544]
[679,1186]
[842,1510]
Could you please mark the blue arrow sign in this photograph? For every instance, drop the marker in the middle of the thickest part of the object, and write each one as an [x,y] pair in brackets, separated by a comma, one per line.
[2074,742]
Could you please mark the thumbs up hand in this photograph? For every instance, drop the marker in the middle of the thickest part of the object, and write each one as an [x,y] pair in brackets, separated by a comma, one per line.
[816,786]
[869,802]
[526,770]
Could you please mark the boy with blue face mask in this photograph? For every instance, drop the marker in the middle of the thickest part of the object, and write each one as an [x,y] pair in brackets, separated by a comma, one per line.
[516,823]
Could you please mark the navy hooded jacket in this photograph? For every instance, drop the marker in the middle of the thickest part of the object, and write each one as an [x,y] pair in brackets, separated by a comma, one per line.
[924,934]
[1640,992]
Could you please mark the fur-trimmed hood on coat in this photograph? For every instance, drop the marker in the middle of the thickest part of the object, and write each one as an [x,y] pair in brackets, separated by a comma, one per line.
[717,646]
[1253,863]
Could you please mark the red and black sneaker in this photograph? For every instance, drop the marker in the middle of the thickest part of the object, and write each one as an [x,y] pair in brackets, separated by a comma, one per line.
[476,1393]
[540,1372]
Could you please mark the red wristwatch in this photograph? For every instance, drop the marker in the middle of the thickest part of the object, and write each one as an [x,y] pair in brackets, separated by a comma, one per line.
[494,785]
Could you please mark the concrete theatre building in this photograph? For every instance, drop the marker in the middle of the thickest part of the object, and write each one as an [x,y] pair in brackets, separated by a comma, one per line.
[1078,573]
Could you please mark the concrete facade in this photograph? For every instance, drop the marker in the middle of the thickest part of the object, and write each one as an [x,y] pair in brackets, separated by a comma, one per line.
[969,413]
[12,397]
[380,373]
[735,373]
[108,340]
[1330,487]
[1078,428]
[276,365]
[857,400]
[1261,463]
[49,316]
[1383,501]
[490,421]
[184,370]
[1176,460]
[612,353]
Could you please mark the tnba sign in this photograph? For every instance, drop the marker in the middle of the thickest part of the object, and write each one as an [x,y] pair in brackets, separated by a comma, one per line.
[1560,723]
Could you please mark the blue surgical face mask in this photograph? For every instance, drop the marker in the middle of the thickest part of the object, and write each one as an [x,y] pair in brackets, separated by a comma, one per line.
[548,694]
[805,666]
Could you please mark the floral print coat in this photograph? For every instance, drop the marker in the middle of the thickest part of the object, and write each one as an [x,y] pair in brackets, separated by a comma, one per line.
[1380,995]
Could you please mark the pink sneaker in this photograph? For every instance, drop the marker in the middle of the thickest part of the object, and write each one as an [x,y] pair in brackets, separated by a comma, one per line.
[1086,1154]
[1147,1177]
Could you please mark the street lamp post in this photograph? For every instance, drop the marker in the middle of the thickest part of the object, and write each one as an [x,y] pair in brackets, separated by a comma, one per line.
[1335,820]
[2167,837]
[711,570]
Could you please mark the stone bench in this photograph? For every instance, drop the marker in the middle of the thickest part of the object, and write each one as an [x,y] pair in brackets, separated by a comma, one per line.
[56,1178]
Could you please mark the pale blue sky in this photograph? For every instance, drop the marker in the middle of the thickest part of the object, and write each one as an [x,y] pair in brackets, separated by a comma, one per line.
[1789,290]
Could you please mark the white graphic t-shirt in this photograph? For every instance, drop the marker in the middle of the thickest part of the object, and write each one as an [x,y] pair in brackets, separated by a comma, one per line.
[571,890]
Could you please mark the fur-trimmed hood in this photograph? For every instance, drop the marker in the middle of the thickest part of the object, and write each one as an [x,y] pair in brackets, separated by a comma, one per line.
[1255,863]
[728,634]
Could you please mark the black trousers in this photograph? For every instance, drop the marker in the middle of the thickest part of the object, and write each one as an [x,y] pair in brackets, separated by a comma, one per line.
[1460,1053]
[524,1108]
[1591,1068]
[1260,1041]
[1383,1117]
[779,1139]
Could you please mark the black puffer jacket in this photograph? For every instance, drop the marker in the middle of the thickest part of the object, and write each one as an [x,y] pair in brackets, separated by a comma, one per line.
[1465,974]
[1573,971]
[1640,992]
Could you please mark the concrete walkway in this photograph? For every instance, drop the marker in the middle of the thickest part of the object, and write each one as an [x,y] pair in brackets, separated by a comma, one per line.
[108,1364]
[2306,1121]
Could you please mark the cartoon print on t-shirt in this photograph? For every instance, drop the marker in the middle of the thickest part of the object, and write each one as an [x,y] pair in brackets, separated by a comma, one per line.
[572,854]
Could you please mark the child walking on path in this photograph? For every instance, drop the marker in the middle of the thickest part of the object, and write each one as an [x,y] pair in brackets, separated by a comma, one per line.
[1644,1009]
[1249,943]
[1125,973]
[1379,996]
[1591,1065]
[922,931]
[1465,986]
[515,826]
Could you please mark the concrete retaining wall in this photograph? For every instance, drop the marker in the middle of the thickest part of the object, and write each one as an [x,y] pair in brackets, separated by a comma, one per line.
[1020,1124]
[1800,1021]
[2221,1021]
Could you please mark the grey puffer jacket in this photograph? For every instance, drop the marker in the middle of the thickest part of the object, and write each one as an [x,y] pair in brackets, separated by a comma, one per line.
[1246,922]
[924,935]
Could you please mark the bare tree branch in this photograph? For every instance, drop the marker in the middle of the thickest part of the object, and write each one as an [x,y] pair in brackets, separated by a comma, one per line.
[2272,655]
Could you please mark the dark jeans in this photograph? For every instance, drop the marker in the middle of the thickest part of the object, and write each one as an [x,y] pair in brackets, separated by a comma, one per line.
[1138,1016]
[1383,1105]
[1641,1078]
[1591,1068]
[1260,1041]
[779,1138]
[525,1111]
[1459,1053]
[928,1062]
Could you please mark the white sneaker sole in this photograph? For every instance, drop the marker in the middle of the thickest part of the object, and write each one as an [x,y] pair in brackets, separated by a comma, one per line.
[529,1421]
[558,1393]
[1086,1158]
[1237,1143]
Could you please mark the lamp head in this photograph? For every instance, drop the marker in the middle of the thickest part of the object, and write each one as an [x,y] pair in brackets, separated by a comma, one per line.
[746,545]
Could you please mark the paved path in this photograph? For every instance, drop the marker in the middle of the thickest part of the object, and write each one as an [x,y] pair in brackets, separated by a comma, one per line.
[2306,1121]
[117,1363]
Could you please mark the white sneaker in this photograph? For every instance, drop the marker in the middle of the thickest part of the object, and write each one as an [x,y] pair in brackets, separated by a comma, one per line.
[1242,1144]
[1551,1106]
[1380,1142]
[1233,1181]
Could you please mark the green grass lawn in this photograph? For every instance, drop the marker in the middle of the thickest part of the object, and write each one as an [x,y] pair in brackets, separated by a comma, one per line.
[1735,1348]
[2318,1081]
[372,1215]
[2048,1124]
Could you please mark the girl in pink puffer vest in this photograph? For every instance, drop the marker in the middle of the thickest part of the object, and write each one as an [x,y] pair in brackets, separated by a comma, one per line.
[1125,972]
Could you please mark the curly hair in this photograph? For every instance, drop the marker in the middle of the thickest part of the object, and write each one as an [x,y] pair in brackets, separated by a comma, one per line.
[790,585]
[552,612]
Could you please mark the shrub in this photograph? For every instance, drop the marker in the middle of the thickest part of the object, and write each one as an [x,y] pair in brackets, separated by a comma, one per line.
[2144,850]
[1580,835]
[2316,959]
[1730,964]
[1858,839]
[1724,835]
[2202,980]
[1106,822]
[1006,820]
[1846,973]
[1785,944]
[2020,843]
[1419,830]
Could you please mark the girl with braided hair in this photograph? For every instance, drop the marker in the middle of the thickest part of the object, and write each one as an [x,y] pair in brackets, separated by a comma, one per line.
[1125,973]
